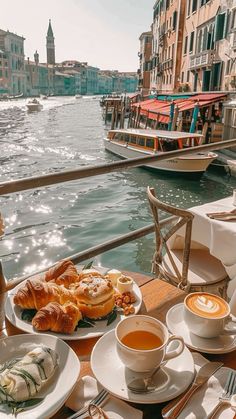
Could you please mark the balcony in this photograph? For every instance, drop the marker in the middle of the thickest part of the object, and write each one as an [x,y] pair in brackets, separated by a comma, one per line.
[202,59]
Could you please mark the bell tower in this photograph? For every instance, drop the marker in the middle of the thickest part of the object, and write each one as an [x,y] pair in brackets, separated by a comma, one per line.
[50,45]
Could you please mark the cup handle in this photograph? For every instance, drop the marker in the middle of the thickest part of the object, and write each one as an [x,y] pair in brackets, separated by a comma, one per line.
[230,330]
[177,351]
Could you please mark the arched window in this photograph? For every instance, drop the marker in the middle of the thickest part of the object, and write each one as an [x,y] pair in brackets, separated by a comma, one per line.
[209,37]
[204,41]
[199,45]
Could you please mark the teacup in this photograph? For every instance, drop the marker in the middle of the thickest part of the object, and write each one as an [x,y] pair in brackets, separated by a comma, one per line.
[142,343]
[207,315]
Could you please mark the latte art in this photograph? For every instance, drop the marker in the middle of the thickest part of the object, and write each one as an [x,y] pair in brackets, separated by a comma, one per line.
[207,305]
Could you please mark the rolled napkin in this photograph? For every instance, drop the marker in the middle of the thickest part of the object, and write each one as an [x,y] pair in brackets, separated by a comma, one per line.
[87,388]
[223,216]
[203,402]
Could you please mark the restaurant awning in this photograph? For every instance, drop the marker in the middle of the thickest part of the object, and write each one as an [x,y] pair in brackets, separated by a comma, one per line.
[160,109]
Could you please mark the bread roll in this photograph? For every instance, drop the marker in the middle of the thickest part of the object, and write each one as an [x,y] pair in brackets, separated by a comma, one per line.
[95,296]
[88,272]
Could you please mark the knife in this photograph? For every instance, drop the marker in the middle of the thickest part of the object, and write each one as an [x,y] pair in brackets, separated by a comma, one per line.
[175,407]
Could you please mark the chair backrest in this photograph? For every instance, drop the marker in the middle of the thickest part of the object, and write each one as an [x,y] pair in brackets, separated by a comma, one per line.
[182,218]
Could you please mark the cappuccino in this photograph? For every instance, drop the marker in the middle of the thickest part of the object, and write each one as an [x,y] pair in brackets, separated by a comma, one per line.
[207,305]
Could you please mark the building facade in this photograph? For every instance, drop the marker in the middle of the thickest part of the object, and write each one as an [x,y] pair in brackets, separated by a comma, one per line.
[144,72]
[193,46]
[13,70]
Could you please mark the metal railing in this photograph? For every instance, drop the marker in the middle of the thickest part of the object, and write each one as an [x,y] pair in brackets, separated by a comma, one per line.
[19,185]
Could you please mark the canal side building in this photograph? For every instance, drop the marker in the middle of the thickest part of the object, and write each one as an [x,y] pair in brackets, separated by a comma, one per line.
[145,52]
[12,75]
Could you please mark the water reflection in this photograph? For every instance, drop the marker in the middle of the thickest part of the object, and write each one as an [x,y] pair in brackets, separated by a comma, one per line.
[44,225]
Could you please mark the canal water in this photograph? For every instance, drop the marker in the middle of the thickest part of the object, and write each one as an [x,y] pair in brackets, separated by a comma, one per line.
[45,225]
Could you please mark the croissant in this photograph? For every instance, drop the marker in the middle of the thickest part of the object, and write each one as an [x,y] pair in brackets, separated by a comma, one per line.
[57,318]
[63,273]
[36,294]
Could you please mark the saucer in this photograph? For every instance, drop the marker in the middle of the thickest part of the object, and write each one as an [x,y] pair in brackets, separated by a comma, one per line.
[176,324]
[171,380]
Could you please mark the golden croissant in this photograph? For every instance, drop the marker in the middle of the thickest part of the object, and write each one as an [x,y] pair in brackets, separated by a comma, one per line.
[57,318]
[37,294]
[63,273]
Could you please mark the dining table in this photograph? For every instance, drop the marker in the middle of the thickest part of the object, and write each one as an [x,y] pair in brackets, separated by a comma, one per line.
[158,297]
[219,236]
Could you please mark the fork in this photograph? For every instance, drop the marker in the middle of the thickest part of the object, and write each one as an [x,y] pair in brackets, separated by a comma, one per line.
[96,401]
[229,390]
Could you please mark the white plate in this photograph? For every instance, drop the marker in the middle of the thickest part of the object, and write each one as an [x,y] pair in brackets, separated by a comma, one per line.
[173,378]
[13,314]
[176,324]
[60,386]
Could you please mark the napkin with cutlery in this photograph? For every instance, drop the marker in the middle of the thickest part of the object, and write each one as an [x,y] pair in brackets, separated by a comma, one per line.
[206,397]
[223,216]
[87,388]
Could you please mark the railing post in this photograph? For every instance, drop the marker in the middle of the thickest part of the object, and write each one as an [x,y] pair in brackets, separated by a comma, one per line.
[2,296]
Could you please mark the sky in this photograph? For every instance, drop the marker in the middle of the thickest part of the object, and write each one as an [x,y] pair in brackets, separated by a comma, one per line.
[104,33]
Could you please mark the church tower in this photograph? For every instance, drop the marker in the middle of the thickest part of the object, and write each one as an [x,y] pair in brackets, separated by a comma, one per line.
[50,45]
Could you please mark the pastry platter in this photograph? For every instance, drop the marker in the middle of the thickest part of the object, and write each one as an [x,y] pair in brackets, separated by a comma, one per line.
[86,329]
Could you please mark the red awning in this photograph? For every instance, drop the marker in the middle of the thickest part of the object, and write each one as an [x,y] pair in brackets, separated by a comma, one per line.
[160,109]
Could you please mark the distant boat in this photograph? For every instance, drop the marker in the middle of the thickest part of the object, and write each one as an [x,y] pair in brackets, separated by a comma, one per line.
[131,143]
[34,105]
[78,96]
[15,96]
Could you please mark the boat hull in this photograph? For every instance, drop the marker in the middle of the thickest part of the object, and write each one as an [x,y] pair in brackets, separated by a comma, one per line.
[195,164]
[34,107]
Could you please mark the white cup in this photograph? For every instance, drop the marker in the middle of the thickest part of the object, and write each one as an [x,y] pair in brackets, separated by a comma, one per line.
[208,327]
[141,360]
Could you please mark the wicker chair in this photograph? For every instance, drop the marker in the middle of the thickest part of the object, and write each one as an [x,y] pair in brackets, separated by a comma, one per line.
[180,261]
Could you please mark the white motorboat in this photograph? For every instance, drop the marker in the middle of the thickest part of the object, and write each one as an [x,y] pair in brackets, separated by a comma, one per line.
[78,96]
[34,105]
[131,143]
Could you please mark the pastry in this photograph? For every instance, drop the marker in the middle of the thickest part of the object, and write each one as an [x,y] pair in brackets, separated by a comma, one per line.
[95,296]
[57,318]
[88,272]
[37,294]
[22,379]
[63,273]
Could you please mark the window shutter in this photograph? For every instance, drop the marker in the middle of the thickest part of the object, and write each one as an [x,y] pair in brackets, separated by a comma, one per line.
[219,26]
[226,25]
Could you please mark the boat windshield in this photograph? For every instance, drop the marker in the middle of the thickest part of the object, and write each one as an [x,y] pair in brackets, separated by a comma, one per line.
[168,144]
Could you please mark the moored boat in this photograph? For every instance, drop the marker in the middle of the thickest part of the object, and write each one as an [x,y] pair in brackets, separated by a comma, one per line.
[131,143]
[34,105]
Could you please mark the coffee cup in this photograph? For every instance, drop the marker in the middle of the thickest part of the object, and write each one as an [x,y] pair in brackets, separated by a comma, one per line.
[142,343]
[208,315]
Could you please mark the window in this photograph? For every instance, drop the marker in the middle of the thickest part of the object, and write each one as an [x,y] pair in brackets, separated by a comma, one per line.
[194,6]
[167,78]
[233,20]
[174,20]
[185,45]
[150,142]
[133,140]
[188,76]
[182,77]
[191,42]
[203,2]
[189,7]
[170,78]
[204,40]
[173,50]
[0,73]
[141,141]
[199,45]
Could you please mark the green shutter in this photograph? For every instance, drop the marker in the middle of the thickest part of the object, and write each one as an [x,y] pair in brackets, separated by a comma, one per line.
[219,26]
[226,25]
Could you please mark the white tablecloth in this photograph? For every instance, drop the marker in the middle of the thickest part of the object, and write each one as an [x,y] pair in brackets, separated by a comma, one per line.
[218,236]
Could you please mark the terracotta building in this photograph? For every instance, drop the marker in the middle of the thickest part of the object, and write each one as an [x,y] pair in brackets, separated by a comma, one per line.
[168,21]
[145,53]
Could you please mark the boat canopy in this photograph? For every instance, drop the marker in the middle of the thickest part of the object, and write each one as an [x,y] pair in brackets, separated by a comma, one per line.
[160,109]
[172,135]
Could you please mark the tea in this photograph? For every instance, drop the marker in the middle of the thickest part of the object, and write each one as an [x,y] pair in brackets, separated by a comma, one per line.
[207,305]
[141,340]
